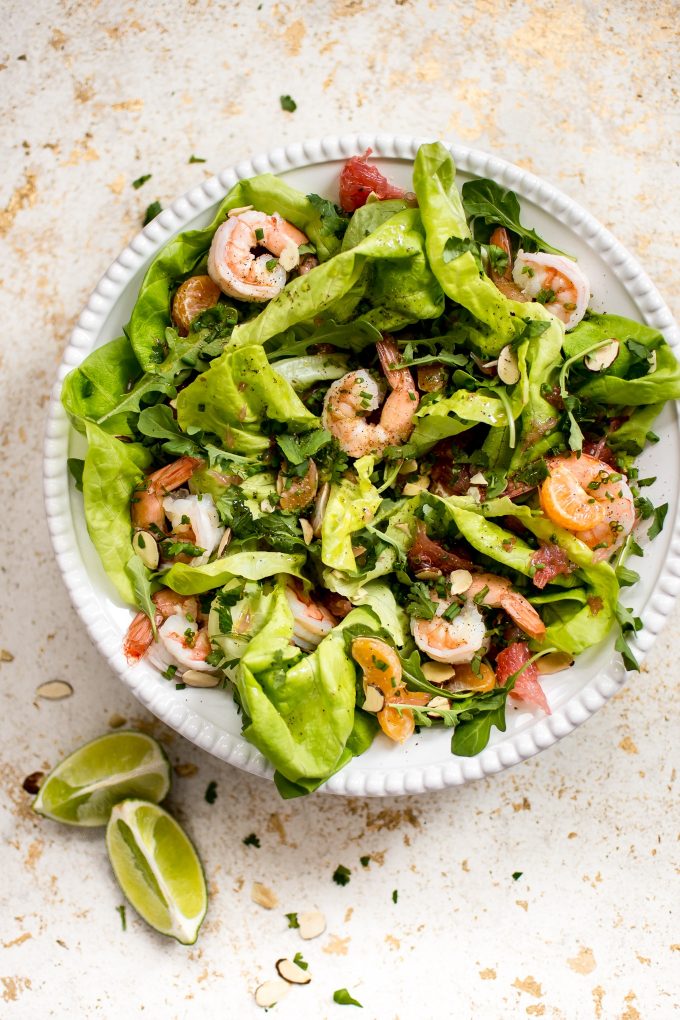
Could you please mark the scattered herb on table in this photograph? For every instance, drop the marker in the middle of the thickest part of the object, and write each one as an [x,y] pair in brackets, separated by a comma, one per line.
[341,875]
[300,961]
[141,180]
[196,159]
[288,104]
[293,920]
[152,212]
[211,792]
[395,895]
[516,875]
[365,861]
[252,840]
[343,998]
[123,919]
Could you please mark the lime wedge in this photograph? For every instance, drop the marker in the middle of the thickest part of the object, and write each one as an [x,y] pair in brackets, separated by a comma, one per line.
[85,786]
[157,868]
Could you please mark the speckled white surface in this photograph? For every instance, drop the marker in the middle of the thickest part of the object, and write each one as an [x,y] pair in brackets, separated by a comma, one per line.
[586,97]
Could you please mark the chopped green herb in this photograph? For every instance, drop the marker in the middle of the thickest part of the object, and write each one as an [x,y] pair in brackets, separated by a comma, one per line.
[341,875]
[169,672]
[657,524]
[196,159]
[516,875]
[293,920]
[141,180]
[271,264]
[343,998]
[76,466]
[259,234]
[123,919]
[395,895]
[211,792]
[152,212]
[288,104]
[365,861]
[252,840]
[545,296]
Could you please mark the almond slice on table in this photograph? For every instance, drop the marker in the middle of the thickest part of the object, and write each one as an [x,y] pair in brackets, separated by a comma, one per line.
[264,896]
[311,924]
[271,992]
[290,972]
[54,690]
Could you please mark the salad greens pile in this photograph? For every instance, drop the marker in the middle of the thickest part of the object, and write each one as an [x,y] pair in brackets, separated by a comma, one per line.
[369,550]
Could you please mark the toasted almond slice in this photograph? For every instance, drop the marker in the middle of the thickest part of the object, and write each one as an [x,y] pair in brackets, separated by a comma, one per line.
[603,357]
[438,702]
[239,210]
[54,690]
[289,257]
[375,699]
[438,672]
[311,924]
[146,547]
[264,896]
[224,542]
[652,362]
[271,992]
[307,530]
[508,369]
[429,574]
[460,581]
[554,662]
[478,479]
[420,485]
[290,972]
[195,678]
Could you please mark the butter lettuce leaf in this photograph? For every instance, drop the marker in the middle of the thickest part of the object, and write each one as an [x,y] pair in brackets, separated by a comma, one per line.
[253,566]
[352,504]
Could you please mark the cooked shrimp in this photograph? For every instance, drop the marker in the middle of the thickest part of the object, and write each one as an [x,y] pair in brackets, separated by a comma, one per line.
[181,643]
[237,271]
[498,593]
[458,640]
[350,399]
[504,281]
[140,632]
[198,516]
[311,621]
[561,284]
[146,507]
[588,498]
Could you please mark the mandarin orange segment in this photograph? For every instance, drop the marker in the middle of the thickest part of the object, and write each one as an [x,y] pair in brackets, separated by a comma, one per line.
[192,297]
[398,726]
[566,503]
[470,681]
[380,664]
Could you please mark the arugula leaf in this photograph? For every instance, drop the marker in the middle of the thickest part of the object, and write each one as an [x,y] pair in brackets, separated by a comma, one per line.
[457,246]
[298,449]
[626,577]
[343,998]
[629,660]
[659,518]
[75,466]
[331,216]
[498,259]
[487,204]
[419,604]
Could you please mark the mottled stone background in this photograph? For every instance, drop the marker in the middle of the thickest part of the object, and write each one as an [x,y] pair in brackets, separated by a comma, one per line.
[92,96]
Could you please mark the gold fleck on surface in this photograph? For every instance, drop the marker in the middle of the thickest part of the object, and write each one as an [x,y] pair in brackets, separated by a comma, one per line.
[583,962]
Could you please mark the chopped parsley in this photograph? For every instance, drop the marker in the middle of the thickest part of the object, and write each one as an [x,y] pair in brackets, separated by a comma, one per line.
[288,104]
[152,212]
[293,920]
[343,998]
[252,840]
[365,861]
[211,792]
[136,184]
[341,875]
[123,919]
[300,961]
[196,159]
[516,875]
[395,895]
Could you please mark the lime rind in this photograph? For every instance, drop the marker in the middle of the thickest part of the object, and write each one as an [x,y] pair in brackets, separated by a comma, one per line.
[83,788]
[158,869]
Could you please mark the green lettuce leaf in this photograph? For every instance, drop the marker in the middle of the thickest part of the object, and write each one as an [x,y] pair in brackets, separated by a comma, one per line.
[235,394]
[112,472]
[388,269]
[299,716]
[96,387]
[375,594]
[460,277]
[309,369]
[368,218]
[253,566]
[360,739]
[351,506]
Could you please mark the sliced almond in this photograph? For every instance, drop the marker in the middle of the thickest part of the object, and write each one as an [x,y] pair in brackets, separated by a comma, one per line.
[289,257]
[554,662]
[54,690]
[408,467]
[266,507]
[239,210]
[429,574]
[507,368]
[224,542]
[146,547]
[271,992]
[478,479]
[438,703]
[196,678]
[311,924]
[307,530]
[264,896]
[320,508]
[459,581]
[375,699]
[438,672]
[290,972]
[603,357]
[652,362]
[420,485]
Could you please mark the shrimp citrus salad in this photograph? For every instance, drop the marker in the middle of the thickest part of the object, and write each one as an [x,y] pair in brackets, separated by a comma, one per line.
[369,466]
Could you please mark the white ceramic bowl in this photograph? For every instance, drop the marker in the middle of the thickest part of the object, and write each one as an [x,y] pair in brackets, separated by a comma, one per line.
[208,717]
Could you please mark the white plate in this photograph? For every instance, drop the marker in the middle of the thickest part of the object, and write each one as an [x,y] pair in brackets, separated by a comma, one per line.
[208,717]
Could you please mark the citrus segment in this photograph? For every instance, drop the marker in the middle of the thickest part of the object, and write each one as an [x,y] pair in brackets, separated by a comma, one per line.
[157,868]
[566,503]
[84,787]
